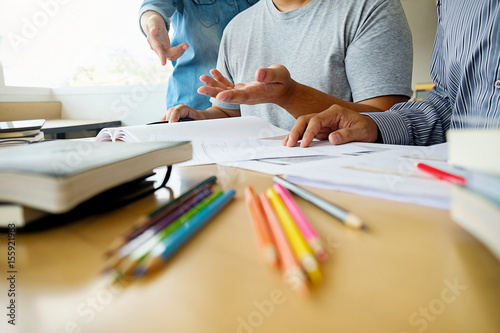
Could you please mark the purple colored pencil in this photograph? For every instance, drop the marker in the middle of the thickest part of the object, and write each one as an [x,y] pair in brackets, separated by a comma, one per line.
[163,223]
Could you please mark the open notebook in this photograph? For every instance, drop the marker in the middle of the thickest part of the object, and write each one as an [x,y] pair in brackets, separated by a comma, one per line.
[224,128]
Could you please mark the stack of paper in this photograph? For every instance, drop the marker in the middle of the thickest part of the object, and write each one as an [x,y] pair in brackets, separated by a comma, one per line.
[390,175]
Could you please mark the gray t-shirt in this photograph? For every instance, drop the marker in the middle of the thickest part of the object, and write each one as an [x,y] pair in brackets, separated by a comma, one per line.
[351,49]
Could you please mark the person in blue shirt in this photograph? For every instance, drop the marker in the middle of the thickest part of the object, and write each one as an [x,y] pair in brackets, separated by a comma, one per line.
[193,50]
[465,69]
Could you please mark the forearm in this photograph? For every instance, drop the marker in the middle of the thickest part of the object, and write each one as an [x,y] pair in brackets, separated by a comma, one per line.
[214,112]
[302,99]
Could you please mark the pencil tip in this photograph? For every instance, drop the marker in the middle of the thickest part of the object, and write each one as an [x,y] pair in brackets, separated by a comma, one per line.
[353,221]
[138,272]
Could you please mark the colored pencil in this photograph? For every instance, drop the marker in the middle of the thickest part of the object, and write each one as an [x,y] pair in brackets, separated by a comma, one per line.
[129,263]
[440,174]
[171,244]
[264,237]
[146,221]
[136,242]
[303,223]
[292,272]
[347,218]
[300,247]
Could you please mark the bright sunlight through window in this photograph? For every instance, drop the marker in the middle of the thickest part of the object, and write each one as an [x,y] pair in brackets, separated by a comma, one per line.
[64,43]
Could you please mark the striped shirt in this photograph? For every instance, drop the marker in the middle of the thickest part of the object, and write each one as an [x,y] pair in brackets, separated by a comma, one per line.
[465,68]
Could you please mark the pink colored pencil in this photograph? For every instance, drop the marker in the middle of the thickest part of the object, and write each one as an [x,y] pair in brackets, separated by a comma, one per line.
[310,235]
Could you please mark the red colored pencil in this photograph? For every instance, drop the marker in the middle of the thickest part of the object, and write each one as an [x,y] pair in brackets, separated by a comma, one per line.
[440,174]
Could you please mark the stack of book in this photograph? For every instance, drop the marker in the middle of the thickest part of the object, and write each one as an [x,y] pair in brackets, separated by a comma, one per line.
[476,205]
[56,177]
[21,132]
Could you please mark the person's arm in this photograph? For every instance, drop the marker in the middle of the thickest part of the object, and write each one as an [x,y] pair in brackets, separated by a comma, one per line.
[154,19]
[275,85]
[416,123]
[412,123]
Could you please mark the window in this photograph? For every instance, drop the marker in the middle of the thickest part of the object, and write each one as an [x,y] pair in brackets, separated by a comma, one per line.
[67,43]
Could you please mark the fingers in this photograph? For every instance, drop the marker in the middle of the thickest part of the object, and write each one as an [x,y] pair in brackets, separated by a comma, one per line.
[209,91]
[157,47]
[215,84]
[159,42]
[297,131]
[241,95]
[176,52]
[338,124]
[272,74]
[182,111]
[223,82]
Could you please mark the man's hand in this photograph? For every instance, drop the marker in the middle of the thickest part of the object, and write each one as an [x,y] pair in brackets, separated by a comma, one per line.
[271,85]
[182,111]
[337,124]
[155,29]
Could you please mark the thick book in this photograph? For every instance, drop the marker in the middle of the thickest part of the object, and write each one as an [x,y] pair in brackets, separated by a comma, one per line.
[475,149]
[18,214]
[56,176]
[477,214]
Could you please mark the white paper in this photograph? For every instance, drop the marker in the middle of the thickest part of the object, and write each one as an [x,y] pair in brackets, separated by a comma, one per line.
[390,174]
[318,151]
[225,128]
[207,151]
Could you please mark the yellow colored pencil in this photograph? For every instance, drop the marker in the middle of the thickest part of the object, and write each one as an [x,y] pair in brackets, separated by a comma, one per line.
[299,245]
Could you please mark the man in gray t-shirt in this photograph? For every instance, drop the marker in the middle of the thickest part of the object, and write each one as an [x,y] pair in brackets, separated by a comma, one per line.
[356,53]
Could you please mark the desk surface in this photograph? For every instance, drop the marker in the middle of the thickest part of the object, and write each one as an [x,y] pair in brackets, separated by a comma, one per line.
[415,270]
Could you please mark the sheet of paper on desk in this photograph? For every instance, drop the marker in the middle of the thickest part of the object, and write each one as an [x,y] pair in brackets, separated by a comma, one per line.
[318,151]
[390,175]
[207,151]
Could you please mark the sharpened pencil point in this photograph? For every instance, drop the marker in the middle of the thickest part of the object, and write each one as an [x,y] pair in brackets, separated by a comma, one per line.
[353,221]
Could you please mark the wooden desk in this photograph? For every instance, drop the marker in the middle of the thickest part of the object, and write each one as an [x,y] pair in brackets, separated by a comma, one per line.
[415,270]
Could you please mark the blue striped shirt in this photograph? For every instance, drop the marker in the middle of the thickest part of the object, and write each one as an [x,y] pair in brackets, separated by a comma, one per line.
[465,68]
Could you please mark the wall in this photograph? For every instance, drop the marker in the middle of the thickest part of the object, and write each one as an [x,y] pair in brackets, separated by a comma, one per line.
[422,18]
[133,105]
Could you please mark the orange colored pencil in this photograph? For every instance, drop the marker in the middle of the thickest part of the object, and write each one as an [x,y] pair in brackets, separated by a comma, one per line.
[292,271]
[264,237]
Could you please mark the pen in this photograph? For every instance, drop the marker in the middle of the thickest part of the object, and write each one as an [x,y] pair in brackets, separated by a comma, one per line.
[264,236]
[166,121]
[171,244]
[303,223]
[349,219]
[292,272]
[440,174]
[302,251]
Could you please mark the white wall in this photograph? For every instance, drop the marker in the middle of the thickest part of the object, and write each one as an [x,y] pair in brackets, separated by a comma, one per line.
[133,105]
[422,18]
